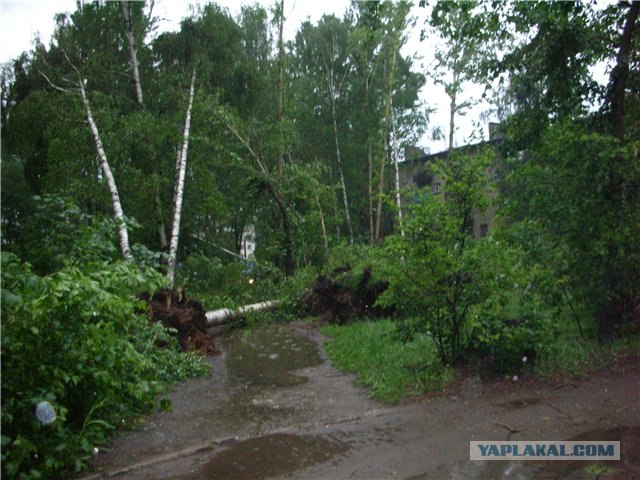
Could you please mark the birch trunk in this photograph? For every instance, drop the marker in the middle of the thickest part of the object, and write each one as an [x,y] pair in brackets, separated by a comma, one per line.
[395,152]
[322,224]
[226,315]
[281,58]
[111,182]
[370,165]
[452,117]
[343,185]
[162,234]
[182,168]
[385,152]
[126,11]
[389,67]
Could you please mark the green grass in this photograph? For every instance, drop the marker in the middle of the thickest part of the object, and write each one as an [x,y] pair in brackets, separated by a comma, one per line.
[576,357]
[389,368]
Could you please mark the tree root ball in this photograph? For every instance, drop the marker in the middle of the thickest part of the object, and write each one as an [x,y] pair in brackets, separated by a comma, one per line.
[344,296]
[175,310]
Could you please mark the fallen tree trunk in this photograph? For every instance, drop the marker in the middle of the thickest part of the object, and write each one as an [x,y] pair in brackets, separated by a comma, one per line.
[226,315]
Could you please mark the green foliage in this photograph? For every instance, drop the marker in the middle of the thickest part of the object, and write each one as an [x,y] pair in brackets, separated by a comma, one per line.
[513,321]
[573,203]
[76,339]
[437,270]
[390,368]
[57,233]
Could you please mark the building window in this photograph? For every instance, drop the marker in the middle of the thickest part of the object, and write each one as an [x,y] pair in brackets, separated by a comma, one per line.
[484,229]
[436,188]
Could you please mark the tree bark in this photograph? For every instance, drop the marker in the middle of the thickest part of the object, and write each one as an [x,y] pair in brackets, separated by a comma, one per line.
[343,185]
[396,159]
[452,118]
[385,153]
[620,73]
[389,73]
[177,211]
[111,182]
[289,261]
[162,234]
[617,307]
[322,224]
[126,11]
[281,59]
[226,315]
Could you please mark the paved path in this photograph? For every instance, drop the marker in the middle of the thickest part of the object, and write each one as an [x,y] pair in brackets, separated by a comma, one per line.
[253,418]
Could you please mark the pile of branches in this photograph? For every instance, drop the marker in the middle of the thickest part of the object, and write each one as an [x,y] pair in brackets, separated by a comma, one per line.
[343,296]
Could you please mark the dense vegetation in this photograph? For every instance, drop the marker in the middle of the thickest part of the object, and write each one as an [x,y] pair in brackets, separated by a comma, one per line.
[133,159]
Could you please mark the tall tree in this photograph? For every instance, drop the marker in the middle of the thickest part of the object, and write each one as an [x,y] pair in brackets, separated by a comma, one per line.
[325,48]
[465,41]
[396,21]
[182,168]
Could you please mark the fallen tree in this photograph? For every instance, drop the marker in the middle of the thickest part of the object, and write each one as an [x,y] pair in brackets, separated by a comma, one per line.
[225,315]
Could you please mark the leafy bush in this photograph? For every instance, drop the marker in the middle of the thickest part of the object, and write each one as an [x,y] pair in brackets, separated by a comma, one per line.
[58,233]
[437,270]
[513,321]
[76,339]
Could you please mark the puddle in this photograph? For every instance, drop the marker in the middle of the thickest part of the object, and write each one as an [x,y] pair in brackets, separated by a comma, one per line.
[271,455]
[266,355]
[521,403]
[627,468]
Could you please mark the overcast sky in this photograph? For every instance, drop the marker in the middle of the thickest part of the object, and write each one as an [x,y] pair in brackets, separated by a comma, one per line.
[22,20]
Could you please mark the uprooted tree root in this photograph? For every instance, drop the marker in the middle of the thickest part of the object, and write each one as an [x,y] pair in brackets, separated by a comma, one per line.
[175,310]
[341,297]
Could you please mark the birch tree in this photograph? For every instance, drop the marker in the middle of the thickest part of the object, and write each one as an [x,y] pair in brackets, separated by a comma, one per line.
[464,43]
[397,18]
[324,49]
[108,174]
[367,37]
[181,172]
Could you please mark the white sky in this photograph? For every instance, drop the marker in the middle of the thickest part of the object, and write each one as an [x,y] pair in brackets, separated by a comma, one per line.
[22,20]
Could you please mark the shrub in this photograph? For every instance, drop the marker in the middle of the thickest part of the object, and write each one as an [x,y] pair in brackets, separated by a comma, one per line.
[76,340]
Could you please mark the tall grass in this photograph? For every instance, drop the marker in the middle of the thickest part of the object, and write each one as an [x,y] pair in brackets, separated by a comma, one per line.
[390,368]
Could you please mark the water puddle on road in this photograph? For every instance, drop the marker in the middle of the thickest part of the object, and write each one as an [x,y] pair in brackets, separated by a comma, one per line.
[265,356]
[628,467]
[271,455]
[262,371]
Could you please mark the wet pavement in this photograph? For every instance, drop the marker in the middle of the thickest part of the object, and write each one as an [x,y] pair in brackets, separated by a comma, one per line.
[274,407]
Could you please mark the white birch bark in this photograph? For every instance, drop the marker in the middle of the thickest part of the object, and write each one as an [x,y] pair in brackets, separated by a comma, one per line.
[132,50]
[322,224]
[345,198]
[182,168]
[111,182]
[395,152]
[226,315]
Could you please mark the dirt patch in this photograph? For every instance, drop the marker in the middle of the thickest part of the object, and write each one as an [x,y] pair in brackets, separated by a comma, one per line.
[344,295]
[175,310]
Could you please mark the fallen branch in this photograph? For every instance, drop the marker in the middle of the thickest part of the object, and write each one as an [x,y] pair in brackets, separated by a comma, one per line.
[511,430]
[226,315]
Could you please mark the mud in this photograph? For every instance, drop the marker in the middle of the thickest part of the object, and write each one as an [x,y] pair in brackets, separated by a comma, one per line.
[275,408]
